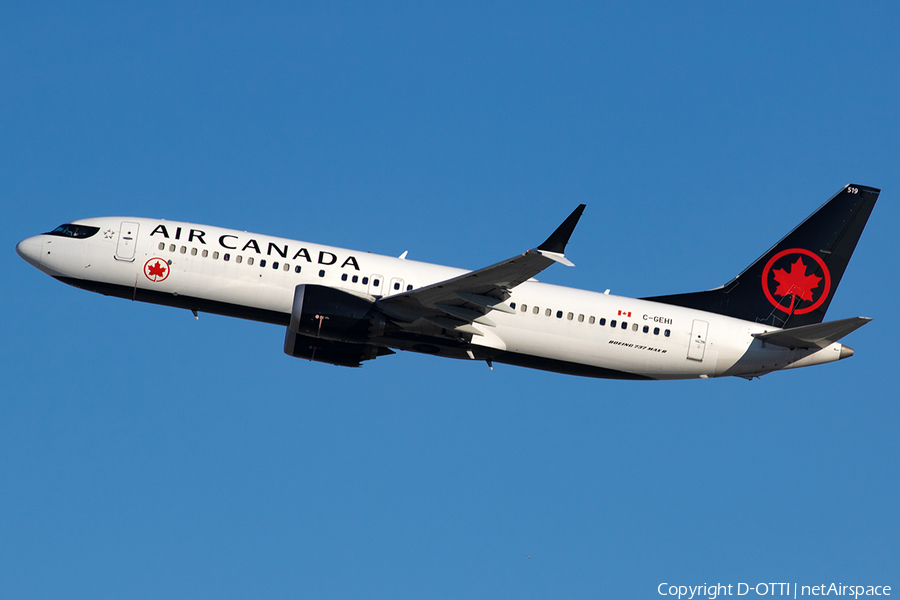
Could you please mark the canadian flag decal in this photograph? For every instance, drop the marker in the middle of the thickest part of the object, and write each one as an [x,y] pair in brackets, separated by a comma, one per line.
[623,313]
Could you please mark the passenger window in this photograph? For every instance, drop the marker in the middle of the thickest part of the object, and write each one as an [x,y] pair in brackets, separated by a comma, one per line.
[612,323]
[536,310]
[238,259]
[275,265]
[287,267]
[183,249]
[262,262]
[603,321]
[343,277]
[215,256]
[322,273]
[548,312]
[591,320]
[297,269]
[634,327]
[162,245]
[205,253]
[646,329]
[226,257]
[171,247]
[570,316]
[512,305]
[396,285]
[365,281]
[193,252]
[249,260]
[656,331]
[524,307]
[408,287]
[624,325]
[559,314]
[355,278]
[667,333]
[375,282]
[581,318]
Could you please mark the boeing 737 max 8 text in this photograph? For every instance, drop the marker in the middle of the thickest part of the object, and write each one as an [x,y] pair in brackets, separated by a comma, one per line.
[344,307]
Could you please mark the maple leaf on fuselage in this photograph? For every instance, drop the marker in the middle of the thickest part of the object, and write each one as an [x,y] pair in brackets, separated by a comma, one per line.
[796,282]
[156,269]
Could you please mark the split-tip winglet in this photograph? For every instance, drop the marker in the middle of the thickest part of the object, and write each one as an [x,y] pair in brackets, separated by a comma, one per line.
[557,241]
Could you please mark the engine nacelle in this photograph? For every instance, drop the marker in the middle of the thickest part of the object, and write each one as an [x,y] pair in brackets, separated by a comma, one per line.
[325,313]
[342,354]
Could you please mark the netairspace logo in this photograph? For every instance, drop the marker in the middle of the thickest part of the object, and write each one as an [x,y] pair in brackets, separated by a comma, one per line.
[713,591]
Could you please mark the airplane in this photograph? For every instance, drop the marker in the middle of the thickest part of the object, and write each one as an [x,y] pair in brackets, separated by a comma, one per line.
[345,307]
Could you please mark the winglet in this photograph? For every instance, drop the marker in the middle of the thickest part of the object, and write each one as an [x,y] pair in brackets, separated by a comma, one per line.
[557,241]
[560,258]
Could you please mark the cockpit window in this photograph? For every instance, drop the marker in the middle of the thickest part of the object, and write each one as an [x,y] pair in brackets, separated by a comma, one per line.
[74,231]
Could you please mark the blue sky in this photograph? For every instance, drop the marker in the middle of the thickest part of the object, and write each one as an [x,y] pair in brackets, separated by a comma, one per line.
[144,454]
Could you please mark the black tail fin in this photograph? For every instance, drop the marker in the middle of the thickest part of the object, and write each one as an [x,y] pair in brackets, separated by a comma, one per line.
[793,283]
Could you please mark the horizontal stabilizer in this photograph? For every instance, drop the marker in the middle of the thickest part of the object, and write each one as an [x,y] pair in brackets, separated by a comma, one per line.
[819,335]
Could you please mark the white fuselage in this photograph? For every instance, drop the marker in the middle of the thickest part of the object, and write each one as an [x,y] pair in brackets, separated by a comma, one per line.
[254,276]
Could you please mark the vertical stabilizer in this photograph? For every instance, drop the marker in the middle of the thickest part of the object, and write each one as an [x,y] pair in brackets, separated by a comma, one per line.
[792,284]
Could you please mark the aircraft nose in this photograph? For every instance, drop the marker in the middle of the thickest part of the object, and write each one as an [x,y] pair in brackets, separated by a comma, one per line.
[30,250]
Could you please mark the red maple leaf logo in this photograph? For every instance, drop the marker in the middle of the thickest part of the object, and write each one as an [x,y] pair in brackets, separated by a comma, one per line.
[156,269]
[796,282]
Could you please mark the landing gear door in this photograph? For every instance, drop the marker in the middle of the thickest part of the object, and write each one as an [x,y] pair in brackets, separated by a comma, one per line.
[697,345]
[128,232]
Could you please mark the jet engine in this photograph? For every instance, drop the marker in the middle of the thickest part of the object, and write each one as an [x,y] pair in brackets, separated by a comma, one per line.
[343,354]
[331,326]
[330,314]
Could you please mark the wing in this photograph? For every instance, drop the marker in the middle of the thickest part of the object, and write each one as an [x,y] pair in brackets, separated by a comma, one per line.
[457,303]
